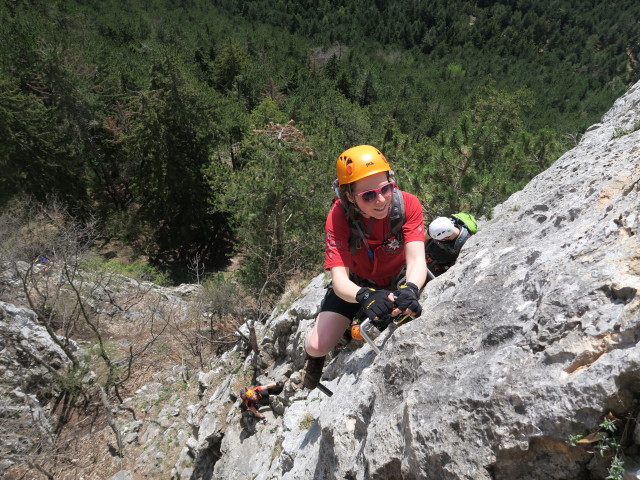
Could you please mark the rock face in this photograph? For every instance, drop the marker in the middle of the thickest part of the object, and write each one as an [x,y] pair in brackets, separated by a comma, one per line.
[531,337]
[23,380]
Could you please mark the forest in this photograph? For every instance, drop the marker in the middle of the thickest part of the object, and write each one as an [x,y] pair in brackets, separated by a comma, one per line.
[192,132]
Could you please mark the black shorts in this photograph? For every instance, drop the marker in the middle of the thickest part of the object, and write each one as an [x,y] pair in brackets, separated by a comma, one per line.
[333,303]
[277,390]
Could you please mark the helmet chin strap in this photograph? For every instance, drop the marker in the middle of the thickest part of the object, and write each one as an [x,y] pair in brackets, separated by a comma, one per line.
[355,205]
[357,209]
[336,190]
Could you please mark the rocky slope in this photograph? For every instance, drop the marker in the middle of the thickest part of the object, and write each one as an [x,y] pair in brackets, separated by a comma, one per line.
[530,338]
[152,418]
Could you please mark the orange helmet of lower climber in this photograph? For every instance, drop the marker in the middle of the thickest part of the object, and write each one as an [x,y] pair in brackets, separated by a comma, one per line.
[355,332]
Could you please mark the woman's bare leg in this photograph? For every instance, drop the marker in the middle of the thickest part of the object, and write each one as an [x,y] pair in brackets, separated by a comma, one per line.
[326,332]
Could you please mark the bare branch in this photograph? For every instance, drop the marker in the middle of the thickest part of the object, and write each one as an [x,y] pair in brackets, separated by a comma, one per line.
[110,420]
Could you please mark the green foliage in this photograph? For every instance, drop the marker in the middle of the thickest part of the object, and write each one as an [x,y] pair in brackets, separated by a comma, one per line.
[167,141]
[616,470]
[276,203]
[573,439]
[71,382]
[29,131]
[229,64]
[609,425]
[607,441]
[142,115]
[220,297]
[266,111]
[488,151]
[138,269]
[610,446]
[621,132]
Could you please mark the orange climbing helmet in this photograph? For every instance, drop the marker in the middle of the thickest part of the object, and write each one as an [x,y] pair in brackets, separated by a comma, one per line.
[360,162]
[355,332]
[250,392]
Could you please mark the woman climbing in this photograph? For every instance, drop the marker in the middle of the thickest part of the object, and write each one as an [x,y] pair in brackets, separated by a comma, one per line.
[374,249]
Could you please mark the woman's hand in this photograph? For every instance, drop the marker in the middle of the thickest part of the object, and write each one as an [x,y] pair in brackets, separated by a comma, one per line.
[406,300]
[375,303]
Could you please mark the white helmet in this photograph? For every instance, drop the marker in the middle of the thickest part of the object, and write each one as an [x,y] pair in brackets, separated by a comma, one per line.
[440,228]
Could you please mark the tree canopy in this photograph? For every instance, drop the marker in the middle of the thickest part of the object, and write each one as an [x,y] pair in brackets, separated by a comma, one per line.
[161,119]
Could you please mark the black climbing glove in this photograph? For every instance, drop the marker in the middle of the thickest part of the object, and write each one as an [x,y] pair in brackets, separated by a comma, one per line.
[375,303]
[407,297]
[263,421]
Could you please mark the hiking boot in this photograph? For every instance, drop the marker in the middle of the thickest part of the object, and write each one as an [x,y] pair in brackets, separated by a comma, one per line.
[313,371]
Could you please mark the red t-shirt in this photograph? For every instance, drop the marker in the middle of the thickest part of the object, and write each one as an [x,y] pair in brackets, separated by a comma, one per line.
[388,253]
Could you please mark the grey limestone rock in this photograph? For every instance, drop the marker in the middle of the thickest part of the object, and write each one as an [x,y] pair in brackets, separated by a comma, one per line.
[25,348]
[531,337]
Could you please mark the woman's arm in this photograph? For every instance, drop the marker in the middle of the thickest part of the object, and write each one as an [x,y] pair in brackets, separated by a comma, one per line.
[342,286]
[416,263]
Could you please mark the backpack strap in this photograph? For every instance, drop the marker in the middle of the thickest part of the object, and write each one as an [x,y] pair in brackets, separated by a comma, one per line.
[396,215]
[461,239]
[356,232]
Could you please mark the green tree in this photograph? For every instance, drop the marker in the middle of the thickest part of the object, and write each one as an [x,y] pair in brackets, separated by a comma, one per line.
[49,119]
[278,203]
[484,158]
[229,64]
[332,68]
[267,111]
[169,142]
[368,90]
[25,128]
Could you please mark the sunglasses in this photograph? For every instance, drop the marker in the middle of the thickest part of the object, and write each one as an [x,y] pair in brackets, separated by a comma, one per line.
[370,195]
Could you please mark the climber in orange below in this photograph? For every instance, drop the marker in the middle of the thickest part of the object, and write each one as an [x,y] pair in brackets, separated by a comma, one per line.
[253,396]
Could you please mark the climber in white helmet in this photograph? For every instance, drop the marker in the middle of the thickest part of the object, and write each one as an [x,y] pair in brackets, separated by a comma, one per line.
[442,228]
[444,239]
